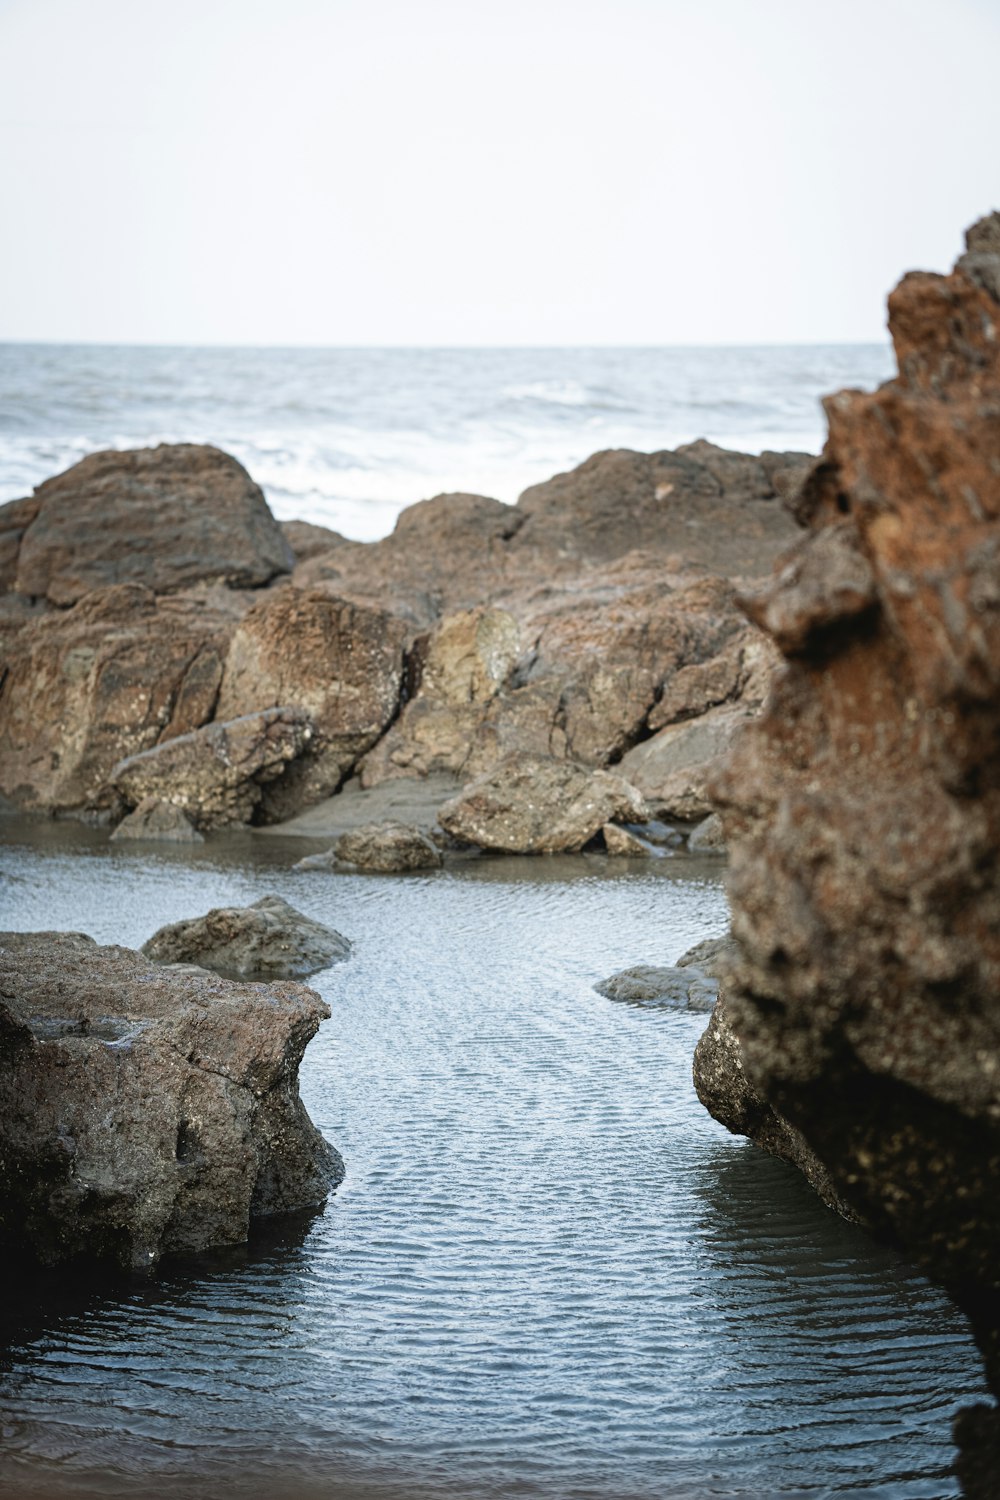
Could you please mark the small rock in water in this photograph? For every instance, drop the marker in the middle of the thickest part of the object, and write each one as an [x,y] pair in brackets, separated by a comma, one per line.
[268,940]
[156,819]
[388,847]
[708,837]
[623,841]
[712,956]
[325,861]
[647,984]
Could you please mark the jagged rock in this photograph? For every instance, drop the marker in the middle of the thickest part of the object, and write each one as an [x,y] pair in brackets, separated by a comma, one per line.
[218,774]
[268,940]
[530,805]
[388,847]
[649,984]
[121,672]
[164,517]
[15,518]
[709,837]
[156,819]
[306,539]
[145,1112]
[341,662]
[624,843]
[459,668]
[862,809]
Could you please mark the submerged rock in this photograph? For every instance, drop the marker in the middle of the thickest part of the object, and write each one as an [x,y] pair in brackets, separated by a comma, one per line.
[268,940]
[217,774]
[164,517]
[388,847]
[862,810]
[156,819]
[531,805]
[145,1112]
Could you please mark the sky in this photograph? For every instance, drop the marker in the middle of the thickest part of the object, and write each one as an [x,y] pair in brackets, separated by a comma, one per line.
[469,172]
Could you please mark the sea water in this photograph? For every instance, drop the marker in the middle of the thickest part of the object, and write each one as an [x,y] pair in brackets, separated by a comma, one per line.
[347,437]
[548,1271]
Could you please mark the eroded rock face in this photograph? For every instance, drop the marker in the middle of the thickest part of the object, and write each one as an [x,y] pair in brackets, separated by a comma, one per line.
[121,672]
[217,775]
[165,517]
[530,805]
[145,1112]
[268,940]
[340,662]
[862,809]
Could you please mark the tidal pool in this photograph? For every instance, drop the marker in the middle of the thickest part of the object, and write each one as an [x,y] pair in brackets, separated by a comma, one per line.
[548,1271]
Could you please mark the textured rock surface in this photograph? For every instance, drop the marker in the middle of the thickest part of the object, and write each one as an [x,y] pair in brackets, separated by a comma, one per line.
[649,984]
[268,940]
[120,673]
[218,774]
[862,809]
[709,837]
[156,819]
[340,662]
[529,805]
[625,844]
[388,847]
[164,517]
[145,1112]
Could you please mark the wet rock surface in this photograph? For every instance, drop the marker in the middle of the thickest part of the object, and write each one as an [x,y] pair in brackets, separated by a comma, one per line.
[156,819]
[649,984]
[388,847]
[862,810]
[268,940]
[145,1112]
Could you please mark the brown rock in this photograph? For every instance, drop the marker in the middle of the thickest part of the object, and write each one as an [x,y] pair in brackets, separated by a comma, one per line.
[388,847]
[145,1112]
[164,517]
[530,805]
[15,518]
[268,940]
[674,768]
[862,808]
[307,540]
[625,844]
[121,672]
[340,662]
[217,775]
[156,819]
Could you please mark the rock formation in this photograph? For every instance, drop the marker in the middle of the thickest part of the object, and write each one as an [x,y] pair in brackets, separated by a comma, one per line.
[862,811]
[144,1112]
[389,847]
[156,819]
[594,623]
[268,940]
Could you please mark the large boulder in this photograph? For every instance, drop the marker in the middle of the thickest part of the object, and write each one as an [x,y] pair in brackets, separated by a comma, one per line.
[862,811]
[341,662]
[145,1112]
[165,517]
[217,775]
[121,672]
[268,940]
[532,805]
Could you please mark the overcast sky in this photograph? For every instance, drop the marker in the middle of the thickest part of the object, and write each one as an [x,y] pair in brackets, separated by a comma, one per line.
[485,171]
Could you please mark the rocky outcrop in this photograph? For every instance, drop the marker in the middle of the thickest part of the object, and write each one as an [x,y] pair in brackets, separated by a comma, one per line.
[164,517]
[342,663]
[529,805]
[121,672]
[217,775]
[268,940]
[387,847]
[862,809]
[156,819]
[145,1112]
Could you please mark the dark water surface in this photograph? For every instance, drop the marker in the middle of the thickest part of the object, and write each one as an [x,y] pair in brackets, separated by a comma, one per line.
[548,1272]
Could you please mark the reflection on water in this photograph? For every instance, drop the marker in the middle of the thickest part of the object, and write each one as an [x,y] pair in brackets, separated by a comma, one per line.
[547,1272]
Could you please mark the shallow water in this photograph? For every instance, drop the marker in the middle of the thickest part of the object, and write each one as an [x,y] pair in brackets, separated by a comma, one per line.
[547,1272]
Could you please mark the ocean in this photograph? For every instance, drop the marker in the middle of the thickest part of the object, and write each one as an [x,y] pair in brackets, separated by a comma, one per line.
[348,437]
